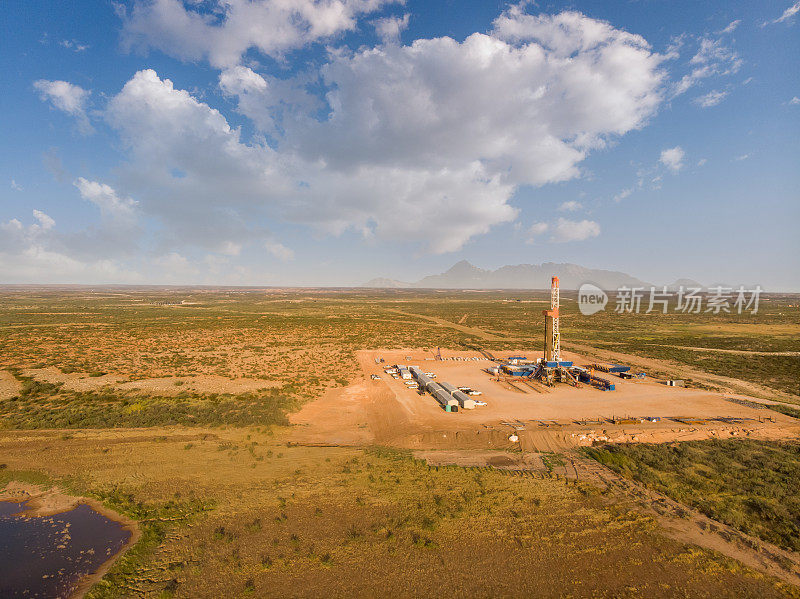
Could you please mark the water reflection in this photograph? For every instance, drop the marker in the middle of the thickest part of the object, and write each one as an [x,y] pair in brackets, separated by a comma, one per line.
[48,556]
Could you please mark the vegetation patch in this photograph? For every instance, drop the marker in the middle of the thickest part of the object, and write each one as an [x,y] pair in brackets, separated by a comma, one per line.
[48,405]
[753,486]
[784,409]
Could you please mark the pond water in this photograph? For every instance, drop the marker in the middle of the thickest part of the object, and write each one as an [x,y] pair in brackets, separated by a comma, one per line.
[48,556]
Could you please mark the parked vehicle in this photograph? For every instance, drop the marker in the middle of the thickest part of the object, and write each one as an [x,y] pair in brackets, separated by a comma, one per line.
[470,391]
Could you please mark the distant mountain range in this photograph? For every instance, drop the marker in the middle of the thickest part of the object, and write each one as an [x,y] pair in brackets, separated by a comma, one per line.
[464,275]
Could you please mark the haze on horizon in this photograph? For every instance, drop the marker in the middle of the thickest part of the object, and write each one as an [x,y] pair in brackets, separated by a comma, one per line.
[329,143]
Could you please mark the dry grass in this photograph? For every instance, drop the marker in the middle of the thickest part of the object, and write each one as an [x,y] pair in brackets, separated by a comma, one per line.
[240,513]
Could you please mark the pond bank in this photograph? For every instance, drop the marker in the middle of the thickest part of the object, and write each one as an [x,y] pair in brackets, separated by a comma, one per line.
[46,528]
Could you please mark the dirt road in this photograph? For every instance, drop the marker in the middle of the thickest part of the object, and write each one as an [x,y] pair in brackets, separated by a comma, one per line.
[458,327]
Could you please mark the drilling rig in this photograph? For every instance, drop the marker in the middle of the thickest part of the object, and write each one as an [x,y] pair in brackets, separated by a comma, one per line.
[551,368]
[552,335]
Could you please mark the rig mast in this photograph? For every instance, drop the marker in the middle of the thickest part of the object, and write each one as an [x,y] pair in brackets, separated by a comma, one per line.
[552,334]
[552,368]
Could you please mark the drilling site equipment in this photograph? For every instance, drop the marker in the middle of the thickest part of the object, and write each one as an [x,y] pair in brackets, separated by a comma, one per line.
[551,368]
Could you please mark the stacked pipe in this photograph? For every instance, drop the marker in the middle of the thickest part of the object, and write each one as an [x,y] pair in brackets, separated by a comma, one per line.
[601,383]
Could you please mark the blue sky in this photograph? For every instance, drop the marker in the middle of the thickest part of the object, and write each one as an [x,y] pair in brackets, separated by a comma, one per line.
[326,143]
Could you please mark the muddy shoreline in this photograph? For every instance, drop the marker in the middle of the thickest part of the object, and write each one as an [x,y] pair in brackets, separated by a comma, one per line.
[40,503]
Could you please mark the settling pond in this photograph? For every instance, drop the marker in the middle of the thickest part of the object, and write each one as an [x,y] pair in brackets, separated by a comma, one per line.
[49,556]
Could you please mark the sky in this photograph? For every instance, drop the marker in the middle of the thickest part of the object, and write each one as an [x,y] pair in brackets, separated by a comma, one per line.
[327,142]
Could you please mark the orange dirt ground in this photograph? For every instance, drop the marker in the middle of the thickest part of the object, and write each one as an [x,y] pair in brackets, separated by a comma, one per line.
[545,419]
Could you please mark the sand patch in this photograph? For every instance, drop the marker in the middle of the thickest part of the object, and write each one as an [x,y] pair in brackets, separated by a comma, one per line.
[82,381]
[9,386]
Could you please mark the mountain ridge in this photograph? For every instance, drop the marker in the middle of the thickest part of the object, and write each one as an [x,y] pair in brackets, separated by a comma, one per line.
[465,275]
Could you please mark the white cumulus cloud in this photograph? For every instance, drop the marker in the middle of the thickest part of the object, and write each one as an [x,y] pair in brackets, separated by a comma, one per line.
[426,142]
[68,98]
[537,230]
[44,221]
[277,249]
[623,194]
[570,206]
[673,158]
[390,28]
[106,198]
[570,230]
[732,26]
[222,31]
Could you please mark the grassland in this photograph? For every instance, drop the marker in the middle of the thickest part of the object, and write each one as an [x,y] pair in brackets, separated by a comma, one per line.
[298,345]
[228,509]
[751,485]
[48,405]
[303,342]
[236,512]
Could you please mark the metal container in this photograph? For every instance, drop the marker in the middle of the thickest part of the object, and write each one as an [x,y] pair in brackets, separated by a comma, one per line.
[432,387]
[464,400]
[444,398]
[448,387]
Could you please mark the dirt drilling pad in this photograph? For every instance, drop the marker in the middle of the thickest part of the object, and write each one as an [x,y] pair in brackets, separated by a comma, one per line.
[386,411]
